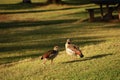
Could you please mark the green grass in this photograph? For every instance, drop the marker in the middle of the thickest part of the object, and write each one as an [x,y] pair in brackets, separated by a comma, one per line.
[26,33]
[19,1]
[43,1]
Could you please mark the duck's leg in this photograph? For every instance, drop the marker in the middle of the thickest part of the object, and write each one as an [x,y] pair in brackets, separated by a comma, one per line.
[44,61]
[51,61]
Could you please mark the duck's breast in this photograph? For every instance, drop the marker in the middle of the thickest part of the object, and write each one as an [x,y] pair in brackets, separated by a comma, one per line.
[69,51]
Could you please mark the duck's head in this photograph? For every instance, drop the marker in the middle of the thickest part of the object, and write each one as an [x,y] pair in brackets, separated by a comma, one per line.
[68,41]
[56,48]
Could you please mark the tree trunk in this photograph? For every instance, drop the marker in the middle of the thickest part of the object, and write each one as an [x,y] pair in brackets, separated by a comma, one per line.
[54,1]
[26,1]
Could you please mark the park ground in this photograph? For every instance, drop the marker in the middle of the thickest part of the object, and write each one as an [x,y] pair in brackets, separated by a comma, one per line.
[27,31]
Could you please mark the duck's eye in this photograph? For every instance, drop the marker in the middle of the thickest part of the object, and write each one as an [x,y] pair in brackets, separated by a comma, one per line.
[68,42]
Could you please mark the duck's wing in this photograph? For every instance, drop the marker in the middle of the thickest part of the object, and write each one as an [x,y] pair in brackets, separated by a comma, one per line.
[73,47]
[48,54]
[53,54]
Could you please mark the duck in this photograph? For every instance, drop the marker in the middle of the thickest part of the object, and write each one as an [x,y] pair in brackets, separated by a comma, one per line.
[50,55]
[72,49]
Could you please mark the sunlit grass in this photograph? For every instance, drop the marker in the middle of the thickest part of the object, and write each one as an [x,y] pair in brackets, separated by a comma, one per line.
[99,59]
[25,34]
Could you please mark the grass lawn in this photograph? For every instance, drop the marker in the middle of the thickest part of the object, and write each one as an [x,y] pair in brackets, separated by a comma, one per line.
[27,32]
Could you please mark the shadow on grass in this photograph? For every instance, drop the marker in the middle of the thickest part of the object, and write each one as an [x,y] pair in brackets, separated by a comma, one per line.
[76,2]
[37,11]
[89,40]
[19,6]
[7,60]
[48,43]
[17,24]
[89,58]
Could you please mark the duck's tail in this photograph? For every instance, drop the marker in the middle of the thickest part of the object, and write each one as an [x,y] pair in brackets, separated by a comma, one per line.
[81,55]
[79,52]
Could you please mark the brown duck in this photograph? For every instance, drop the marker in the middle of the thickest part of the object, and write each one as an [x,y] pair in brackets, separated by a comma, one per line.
[50,55]
[72,49]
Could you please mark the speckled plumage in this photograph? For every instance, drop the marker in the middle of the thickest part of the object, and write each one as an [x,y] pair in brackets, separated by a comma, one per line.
[50,55]
[72,49]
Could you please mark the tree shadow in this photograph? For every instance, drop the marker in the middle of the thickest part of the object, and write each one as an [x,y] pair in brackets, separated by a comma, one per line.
[43,44]
[17,24]
[20,6]
[98,19]
[76,2]
[37,11]
[6,60]
[83,41]
[89,58]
